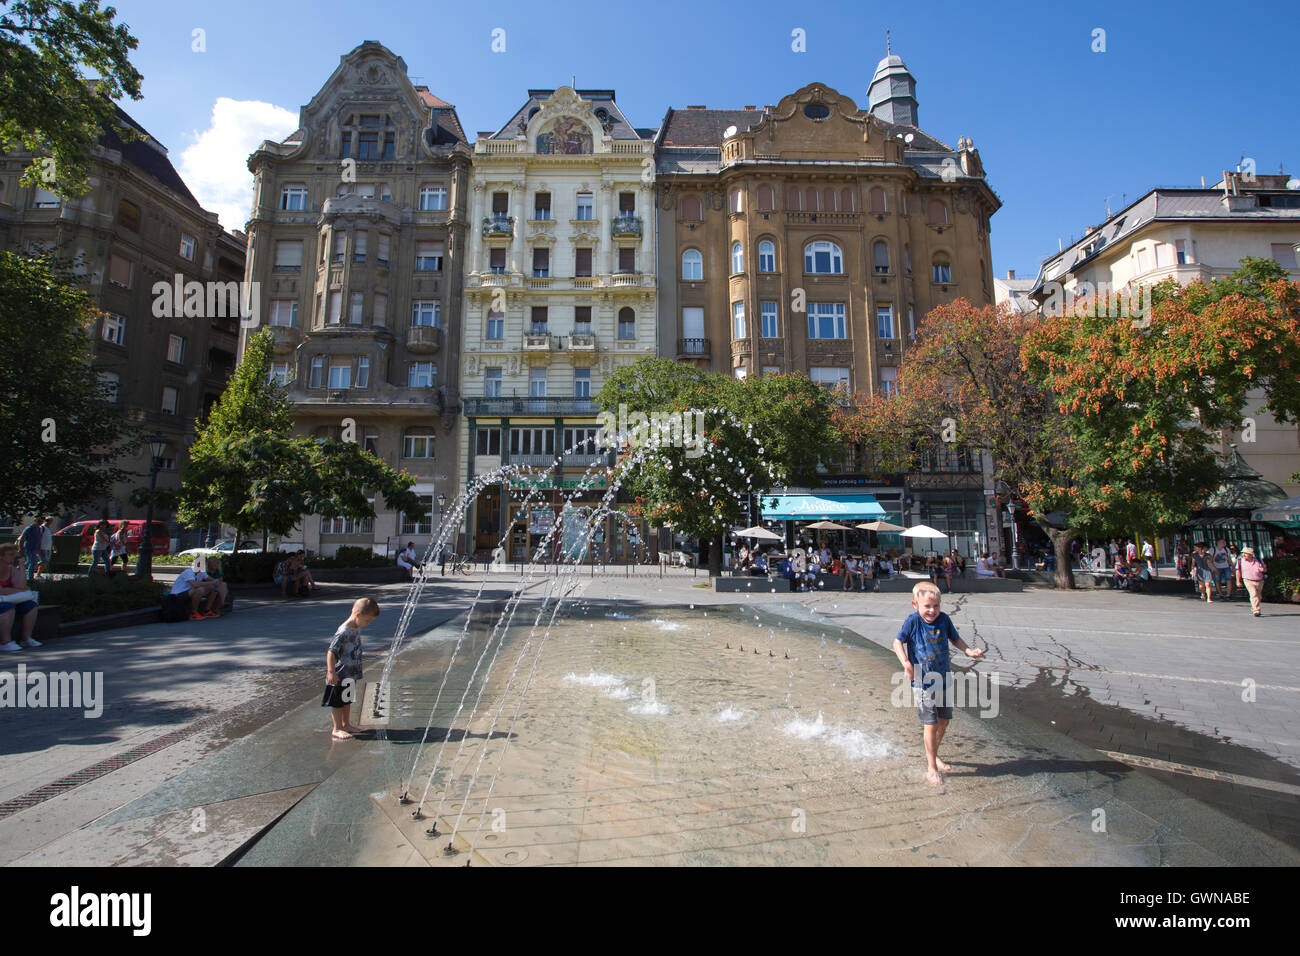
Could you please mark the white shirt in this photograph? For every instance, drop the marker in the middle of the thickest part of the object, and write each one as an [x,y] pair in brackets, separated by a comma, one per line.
[187,579]
[1148,551]
[405,558]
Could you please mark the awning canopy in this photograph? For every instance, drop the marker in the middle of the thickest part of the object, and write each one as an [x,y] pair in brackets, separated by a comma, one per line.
[1285,513]
[819,508]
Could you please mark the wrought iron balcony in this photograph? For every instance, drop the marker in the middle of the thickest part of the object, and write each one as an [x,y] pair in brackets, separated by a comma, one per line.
[692,347]
[528,406]
[496,226]
[584,459]
[626,225]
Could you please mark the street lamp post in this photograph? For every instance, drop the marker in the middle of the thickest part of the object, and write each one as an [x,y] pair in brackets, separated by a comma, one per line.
[144,560]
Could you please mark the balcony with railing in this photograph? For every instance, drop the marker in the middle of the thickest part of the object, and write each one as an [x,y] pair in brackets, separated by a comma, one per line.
[533,461]
[951,460]
[584,459]
[496,406]
[498,226]
[626,225]
[693,348]
[424,339]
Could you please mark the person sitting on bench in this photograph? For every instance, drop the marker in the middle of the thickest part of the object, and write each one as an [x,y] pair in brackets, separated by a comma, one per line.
[195,583]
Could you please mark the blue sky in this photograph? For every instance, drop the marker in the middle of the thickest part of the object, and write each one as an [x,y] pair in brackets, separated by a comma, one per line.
[1179,93]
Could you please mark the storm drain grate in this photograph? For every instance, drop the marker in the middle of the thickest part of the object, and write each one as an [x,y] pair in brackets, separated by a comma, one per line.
[252,709]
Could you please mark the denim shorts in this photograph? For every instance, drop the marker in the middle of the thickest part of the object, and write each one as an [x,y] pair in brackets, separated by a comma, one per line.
[22,609]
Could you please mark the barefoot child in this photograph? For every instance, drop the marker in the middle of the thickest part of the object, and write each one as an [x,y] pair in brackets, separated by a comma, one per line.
[922,645]
[343,668]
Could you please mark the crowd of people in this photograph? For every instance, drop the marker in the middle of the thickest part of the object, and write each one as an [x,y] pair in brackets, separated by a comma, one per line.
[804,570]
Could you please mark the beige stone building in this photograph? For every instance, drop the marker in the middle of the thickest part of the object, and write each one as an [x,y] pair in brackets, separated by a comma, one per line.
[357,242]
[560,290]
[1190,234]
[138,226]
[813,236]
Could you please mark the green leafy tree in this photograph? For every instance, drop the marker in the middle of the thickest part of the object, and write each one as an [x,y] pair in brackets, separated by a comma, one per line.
[759,433]
[58,431]
[248,470]
[48,106]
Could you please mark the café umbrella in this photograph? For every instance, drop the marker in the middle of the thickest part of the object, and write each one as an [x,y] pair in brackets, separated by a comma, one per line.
[924,531]
[757,532]
[879,526]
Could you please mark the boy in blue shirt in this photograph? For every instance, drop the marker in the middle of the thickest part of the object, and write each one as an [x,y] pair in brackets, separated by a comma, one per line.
[922,646]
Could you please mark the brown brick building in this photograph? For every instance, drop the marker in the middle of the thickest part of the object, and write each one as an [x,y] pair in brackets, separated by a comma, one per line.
[139,225]
[812,236]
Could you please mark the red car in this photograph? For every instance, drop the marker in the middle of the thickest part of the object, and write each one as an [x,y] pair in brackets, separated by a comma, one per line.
[162,542]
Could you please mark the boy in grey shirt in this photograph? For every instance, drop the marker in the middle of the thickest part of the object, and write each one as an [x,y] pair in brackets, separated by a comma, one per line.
[343,668]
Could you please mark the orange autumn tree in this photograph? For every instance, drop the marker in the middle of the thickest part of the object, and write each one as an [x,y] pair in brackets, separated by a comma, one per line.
[963,382]
[1146,399]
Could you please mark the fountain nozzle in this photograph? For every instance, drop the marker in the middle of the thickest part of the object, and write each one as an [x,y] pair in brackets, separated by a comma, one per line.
[405,797]
[416,814]
[433,830]
[450,850]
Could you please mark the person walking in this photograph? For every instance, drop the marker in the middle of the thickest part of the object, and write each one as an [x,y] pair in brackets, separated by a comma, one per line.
[117,548]
[1222,562]
[1251,573]
[1203,573]
[1149,556]
[47,544]
[30,543]
[99,547]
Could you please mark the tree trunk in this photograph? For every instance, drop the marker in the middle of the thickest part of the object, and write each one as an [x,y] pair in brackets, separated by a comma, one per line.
[715,555]
[1061,539]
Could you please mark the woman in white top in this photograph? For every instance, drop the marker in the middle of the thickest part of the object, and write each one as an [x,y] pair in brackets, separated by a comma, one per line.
[406,560]
[117,547]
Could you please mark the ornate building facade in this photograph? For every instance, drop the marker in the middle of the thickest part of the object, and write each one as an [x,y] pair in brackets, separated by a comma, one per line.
[813,236]
[357,242]
[560,289]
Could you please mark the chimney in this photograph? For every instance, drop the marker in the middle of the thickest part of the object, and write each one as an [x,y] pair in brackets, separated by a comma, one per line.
[1011,274]
[751,107]
[697,107]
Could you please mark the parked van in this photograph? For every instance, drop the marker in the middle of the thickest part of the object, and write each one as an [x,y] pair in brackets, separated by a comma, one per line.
[162,542]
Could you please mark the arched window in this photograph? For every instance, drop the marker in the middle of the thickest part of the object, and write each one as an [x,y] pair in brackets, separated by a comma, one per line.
[880,256]
[823,258]
[766,198]
[627,323]
[828,199]
[942,267]
[692,265]
[793,200]
[936,212]
[811,200]
[737,258]
[877,199]
[846,200]
[767,256]
[691,209]
[737,200]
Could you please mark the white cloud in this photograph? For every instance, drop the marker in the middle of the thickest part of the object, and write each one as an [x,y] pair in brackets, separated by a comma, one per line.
[215,166]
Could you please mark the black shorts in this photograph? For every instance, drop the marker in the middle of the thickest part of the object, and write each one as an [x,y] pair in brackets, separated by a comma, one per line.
[934,704]
[334,695]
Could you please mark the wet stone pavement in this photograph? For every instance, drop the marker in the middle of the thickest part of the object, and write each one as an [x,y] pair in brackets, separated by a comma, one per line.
[638,735]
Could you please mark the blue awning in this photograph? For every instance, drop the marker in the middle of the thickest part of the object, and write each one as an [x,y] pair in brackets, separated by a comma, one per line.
[819,508]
